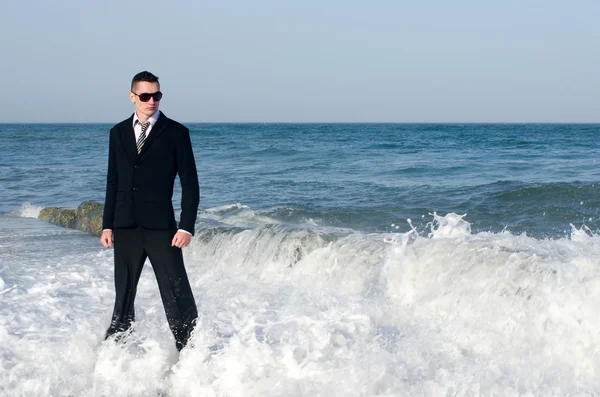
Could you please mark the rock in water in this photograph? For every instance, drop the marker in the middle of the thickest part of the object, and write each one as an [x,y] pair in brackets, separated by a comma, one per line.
[59,216]
[87,217]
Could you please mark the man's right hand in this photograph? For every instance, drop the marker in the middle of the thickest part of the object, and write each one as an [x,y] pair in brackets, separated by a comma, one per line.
[106,238]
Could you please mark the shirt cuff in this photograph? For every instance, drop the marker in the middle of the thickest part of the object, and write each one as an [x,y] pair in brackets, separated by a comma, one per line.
[179,230]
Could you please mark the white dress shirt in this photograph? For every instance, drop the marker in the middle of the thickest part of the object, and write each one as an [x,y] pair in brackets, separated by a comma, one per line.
[137,124]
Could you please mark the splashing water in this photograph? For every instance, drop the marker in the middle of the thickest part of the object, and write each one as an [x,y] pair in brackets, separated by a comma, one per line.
[301,310]
[30,211]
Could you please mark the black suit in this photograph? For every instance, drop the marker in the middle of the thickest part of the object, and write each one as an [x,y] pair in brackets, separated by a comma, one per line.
[139,210]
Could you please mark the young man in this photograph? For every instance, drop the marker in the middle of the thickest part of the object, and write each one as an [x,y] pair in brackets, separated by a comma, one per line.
[146,152]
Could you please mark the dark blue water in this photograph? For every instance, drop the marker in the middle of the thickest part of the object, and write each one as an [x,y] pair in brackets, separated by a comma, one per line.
[536,179]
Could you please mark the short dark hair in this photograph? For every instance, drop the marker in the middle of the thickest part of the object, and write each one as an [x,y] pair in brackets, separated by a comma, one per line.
[144,76]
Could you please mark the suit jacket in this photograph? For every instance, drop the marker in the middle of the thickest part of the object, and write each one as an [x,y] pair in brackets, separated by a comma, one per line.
[139,187]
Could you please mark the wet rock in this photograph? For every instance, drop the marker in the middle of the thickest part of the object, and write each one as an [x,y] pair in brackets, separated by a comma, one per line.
[87,217]
[59,216]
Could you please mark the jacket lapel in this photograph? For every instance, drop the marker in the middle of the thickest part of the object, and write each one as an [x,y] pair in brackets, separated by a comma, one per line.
[128,139]
[156,130]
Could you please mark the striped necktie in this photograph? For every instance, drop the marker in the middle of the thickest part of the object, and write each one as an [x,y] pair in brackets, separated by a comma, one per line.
[142,138]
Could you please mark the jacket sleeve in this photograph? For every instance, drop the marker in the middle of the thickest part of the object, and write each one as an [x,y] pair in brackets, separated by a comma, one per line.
[110,200]
[188,176]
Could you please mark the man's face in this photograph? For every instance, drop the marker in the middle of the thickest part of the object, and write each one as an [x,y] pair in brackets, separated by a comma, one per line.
[144,108]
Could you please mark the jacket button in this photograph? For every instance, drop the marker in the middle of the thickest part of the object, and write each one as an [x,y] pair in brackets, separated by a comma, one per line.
[135,189]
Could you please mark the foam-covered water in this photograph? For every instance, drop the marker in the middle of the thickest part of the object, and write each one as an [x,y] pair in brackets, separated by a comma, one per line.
[317,275]
[303,310]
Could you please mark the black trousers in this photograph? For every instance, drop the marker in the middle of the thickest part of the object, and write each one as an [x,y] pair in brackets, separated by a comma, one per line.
[132,246]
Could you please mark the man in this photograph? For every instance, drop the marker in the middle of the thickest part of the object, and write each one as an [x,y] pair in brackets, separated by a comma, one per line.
[146,152]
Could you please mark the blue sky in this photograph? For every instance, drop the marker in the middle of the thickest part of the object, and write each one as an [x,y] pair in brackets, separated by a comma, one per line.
[309,61]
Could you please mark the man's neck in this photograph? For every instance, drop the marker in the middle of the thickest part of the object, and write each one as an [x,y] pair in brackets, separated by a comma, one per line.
[142,117]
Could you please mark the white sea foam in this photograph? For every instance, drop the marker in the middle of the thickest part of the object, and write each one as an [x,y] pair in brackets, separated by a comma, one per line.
[237,215]
[30,211]
[290,311]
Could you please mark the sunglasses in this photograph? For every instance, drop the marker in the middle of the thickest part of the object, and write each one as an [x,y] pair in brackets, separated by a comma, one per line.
[145,97]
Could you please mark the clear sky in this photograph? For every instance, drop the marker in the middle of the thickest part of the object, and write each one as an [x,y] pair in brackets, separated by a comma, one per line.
[303,61]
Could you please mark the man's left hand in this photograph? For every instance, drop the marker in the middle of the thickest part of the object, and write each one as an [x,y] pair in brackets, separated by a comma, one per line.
[181,239]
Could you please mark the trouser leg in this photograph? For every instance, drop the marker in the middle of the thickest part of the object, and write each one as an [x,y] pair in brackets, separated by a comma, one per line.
[173,283]
[129,261]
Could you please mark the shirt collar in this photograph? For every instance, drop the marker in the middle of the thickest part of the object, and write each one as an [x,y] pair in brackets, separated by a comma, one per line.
[152,118]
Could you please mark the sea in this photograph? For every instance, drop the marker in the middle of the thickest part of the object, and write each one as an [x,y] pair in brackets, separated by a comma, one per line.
[328,260]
